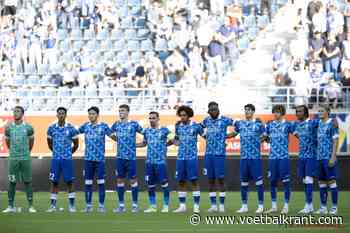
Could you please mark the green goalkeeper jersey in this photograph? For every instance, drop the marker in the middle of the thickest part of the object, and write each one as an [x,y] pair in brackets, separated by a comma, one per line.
[19,135]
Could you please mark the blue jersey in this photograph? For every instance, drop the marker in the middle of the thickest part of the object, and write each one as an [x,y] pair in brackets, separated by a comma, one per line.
[126,138]
[250,136]
[95,138]
[307,134]
[278,133]
[62,140]
[156,140]
[216,132]
[187,135]
[327,131]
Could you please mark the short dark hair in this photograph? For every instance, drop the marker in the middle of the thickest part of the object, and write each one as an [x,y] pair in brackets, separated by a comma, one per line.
[279,108]
[305,108]
[212,103]
[154,113]
[250,106]
[61,109]
[188,110]
[125,106]
[20,108]
[95,109]
[326,107]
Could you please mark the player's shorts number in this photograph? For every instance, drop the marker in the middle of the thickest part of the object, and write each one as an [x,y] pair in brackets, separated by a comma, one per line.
[12,178]
[205,172]
[52,176]
[146,178]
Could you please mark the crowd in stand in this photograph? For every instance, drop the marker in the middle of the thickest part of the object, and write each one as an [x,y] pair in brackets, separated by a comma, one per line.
[127,44]
[317,62]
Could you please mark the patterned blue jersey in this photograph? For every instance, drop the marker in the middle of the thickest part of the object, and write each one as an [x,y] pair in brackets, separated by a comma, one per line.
[278,133]
[327,131]
[187,135]
[307,134]
[95,140]
[126,138]
[156,140]
[62,140]
[216,132]
[250,136]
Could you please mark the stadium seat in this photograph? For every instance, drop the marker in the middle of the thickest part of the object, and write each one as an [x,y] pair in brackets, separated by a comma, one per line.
[104,93]
[108,56]
[37,105]
[77,45]
[143,33]
[89,34]
[135,11]
[77,92]
[21,92]
[122,57]
[123,12]
[64,91]
[126,23]
[91,92]
[62,34]
[133,45]
[43,69]
[102,35]
[64,45]
[120,3]
[94,102]
[106,45]
[140,23]
[75,34]
[51,104]
[50,91]
[146,45]
[37,92]
[135,57]
[32,80]
[119,45]
[130,34]
[116,34]
[91,45]
[133,3]
[161,45]
[18,80]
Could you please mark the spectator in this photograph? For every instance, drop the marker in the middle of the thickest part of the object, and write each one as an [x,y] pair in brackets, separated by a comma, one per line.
[319,19]
[215,49]
[280,65]
[316,44]
[331,56]
[50,55]
[196,65]
[175,66]
[335,20]
[345,63]
[85,71]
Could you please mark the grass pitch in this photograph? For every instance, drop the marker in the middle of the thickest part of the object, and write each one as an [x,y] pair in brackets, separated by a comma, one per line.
[64,222]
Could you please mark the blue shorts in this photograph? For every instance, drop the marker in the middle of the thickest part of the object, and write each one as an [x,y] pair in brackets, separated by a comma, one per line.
[94,167]
[125,168]
[186,170]
[250,169]
[325,172]
[214,167]
[306,167]
[64,166]
[279,169]
[156,173]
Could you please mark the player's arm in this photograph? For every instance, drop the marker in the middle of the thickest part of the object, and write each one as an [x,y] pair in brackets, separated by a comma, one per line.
[335,143]
[113,137]
[231,134]
[31,137]
[141,144]
[49,143]
[7,137]
[75,145]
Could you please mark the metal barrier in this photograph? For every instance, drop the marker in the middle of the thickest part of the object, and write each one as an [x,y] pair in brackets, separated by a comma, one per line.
[165,98]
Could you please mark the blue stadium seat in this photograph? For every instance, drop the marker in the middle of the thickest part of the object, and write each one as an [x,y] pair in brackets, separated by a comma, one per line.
[91,45]
[122,57]
[43,69]
[75,34]
[108,56]
[133,45]
[146,45]
[134,3]
[102,35]
[143,33]
[140,23]
[119,45]
[50,91]
[21,93]
[123,12]
[89,34]
[161,45]
[18,80]
[33,80]
[91,92]
[126,23]
[136,11]
[64,91]
[135,57]
[77,92]
[37,93]
[62,34]
[120,3]
[77,45]
[106,45]
[116,34]
[65,45]
[130,34]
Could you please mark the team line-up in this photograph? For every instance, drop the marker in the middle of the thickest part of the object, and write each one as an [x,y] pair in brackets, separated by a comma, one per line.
[318,141]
